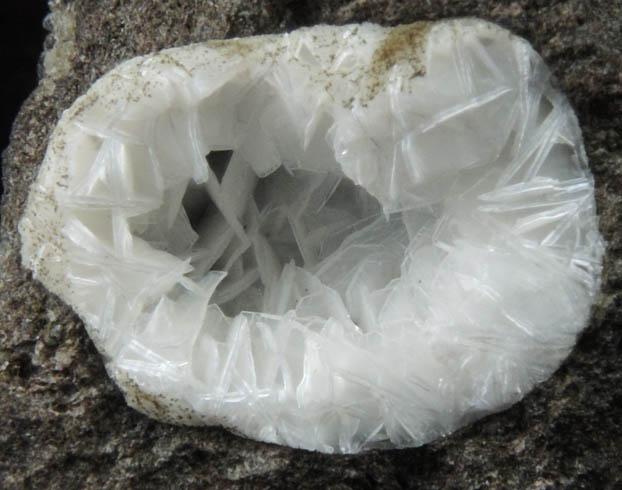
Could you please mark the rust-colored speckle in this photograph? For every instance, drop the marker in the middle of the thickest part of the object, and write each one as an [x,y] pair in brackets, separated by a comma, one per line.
[403,45]
[150,405]
[233,47]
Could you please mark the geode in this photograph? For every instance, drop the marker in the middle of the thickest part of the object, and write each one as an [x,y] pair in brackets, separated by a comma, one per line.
[337,239]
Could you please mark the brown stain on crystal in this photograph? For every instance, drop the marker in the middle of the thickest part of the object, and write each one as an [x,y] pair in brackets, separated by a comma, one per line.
[404,45]
[233,47]
[155,406]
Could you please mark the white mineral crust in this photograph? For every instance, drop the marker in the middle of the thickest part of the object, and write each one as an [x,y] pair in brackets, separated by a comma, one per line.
[335,239]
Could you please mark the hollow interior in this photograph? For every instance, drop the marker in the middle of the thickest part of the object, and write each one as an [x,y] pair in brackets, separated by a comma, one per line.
[271,209]
[256,229]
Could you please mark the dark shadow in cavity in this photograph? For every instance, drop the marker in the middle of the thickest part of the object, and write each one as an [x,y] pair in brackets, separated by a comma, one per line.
[218,161]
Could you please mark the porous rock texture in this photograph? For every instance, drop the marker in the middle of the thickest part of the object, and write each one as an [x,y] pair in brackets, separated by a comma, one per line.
[66,425]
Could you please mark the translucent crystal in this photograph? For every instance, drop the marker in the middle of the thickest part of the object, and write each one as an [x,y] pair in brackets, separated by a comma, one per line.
[336,239]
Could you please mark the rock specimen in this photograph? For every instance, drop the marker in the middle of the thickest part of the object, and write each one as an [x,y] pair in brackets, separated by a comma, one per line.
[336,239]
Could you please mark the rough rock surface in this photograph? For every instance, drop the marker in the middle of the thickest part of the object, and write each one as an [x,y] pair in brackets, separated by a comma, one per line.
[65,424]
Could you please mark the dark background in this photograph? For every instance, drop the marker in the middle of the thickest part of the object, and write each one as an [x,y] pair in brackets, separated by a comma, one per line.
[21,41]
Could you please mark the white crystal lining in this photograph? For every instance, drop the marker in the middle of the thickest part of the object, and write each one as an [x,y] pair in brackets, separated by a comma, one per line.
[278,297]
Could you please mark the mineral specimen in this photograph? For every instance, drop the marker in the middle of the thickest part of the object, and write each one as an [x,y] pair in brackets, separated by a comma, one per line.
[336,239]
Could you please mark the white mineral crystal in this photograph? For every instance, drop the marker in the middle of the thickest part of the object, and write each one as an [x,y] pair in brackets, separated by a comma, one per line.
[335,239]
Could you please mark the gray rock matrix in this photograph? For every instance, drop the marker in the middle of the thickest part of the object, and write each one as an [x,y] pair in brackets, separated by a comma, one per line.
[66,425]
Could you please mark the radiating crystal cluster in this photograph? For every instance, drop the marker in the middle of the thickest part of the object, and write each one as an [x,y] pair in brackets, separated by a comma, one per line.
[336,239]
